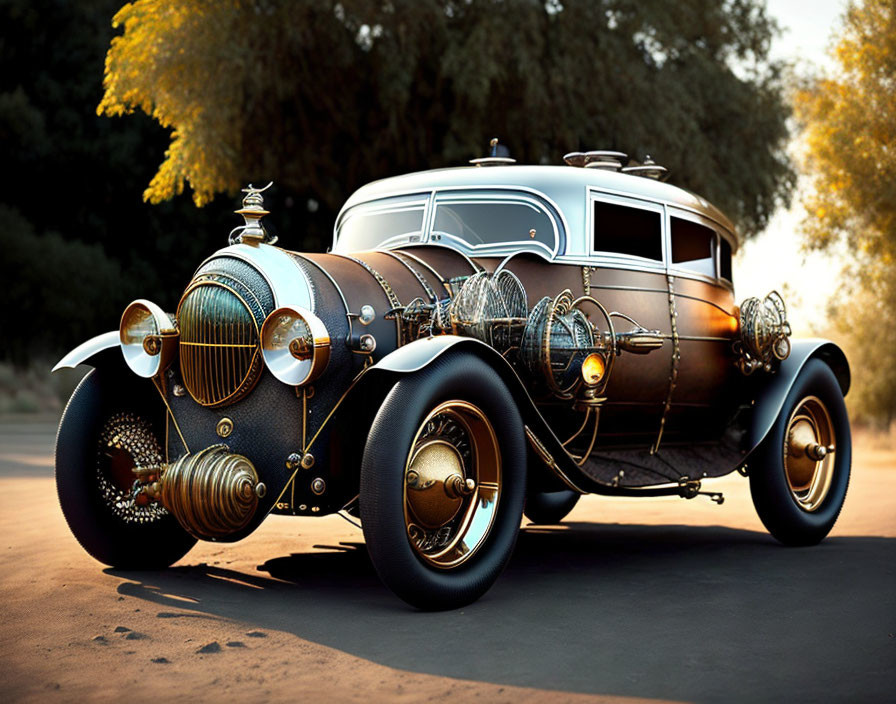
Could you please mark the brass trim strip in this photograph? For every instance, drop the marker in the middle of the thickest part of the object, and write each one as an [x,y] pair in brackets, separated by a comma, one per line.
[308,445]
[156,383]
[387,289]
[586,280]
[417,275]
[549,460]
[698,338]
[423,262]
[676,358]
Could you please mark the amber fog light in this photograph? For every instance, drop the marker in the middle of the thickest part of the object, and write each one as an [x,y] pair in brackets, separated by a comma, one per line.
[295,344]
[148,338]
[593,369]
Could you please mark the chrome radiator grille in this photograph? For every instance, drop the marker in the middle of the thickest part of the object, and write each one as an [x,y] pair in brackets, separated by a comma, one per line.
[220,357]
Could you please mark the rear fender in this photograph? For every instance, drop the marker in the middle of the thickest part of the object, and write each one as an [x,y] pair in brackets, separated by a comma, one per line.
[768,398]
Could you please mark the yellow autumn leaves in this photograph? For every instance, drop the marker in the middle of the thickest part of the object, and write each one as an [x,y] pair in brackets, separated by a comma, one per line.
[849,125]
[153,67]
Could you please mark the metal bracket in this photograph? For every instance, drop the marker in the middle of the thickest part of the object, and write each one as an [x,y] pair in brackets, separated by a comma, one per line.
[690,488]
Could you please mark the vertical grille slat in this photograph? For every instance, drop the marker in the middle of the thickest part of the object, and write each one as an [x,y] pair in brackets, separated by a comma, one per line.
[219,357]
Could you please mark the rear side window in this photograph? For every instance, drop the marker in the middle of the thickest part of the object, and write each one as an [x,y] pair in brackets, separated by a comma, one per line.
[624,230]
[493,222]
[725,260]
[694,247]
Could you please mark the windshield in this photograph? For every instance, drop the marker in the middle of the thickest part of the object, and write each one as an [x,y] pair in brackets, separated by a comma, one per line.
[381,223]
[493,222]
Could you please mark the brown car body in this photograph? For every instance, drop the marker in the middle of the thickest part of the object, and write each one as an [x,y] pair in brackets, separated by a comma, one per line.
[597,305]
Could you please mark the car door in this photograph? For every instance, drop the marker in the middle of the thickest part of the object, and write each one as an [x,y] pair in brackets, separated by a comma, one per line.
[700,279]
[619,259]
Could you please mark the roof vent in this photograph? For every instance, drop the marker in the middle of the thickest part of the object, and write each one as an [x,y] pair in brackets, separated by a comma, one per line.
[648,169]
[499,155]
[603,160]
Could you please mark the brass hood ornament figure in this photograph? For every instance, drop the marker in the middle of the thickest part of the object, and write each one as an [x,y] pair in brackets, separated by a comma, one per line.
[252,232]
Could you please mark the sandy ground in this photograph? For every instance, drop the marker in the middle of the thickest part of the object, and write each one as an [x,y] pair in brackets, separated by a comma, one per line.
[659,599]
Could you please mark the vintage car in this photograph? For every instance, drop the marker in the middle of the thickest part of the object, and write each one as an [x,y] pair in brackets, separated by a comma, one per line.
[481,342]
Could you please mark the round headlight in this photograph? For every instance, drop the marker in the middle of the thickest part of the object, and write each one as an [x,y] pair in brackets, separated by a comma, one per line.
[148,338]
[593,369]
[295,344]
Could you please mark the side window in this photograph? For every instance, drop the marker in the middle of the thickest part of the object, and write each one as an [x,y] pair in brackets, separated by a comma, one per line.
[725,260]
[693,247]
[493,222]
[621,229]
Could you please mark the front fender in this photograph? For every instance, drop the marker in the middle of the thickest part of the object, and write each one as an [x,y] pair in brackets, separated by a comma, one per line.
[768,398]
[91,352]
[420,353]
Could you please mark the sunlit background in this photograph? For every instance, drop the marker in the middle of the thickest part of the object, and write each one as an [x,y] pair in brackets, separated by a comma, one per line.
[777,259]
[118,120]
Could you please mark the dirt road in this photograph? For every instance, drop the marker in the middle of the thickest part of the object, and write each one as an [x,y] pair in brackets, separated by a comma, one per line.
[629,598]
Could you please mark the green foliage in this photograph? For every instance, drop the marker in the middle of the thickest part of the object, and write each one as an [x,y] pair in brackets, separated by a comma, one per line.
[324,96]
[55,282]
[78,243]
[849,122]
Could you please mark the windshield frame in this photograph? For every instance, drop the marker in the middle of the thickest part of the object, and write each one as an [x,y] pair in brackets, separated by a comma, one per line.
[479,194]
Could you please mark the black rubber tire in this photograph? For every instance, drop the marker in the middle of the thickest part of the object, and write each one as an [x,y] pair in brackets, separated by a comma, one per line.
[108,538]
[451,377]
[548,507]
[784,518]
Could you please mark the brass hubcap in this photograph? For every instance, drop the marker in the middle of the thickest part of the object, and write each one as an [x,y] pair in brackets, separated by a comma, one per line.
[809,453]
[452,484]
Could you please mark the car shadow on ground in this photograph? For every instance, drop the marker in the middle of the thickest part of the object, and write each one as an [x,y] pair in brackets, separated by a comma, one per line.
[671,611]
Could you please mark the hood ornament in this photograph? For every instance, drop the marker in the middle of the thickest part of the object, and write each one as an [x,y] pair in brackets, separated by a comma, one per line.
[253,211]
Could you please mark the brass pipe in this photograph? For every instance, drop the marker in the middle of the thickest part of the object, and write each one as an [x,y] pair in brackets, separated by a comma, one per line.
[579,431]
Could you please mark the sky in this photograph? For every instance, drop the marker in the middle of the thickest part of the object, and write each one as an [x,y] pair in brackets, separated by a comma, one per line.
[775,260]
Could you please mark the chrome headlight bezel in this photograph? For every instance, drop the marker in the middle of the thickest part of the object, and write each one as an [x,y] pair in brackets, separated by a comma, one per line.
[148,338]
[295,345]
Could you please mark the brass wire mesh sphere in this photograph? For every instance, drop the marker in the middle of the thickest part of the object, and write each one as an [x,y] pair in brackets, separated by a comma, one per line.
[555,342]
[490,308]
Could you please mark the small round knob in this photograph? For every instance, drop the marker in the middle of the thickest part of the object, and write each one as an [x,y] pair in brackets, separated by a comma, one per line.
[368,315]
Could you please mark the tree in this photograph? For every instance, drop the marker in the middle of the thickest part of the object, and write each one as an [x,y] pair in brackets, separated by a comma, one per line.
[849,122]
[324,96]
[78,243]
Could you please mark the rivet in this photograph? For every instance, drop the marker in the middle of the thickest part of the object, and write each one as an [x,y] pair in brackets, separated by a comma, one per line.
[224,427]
[318,486]
[307,461]
[315,509]
[293,460]
[303,507]
[368,343]
[260,490]
[368,315]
